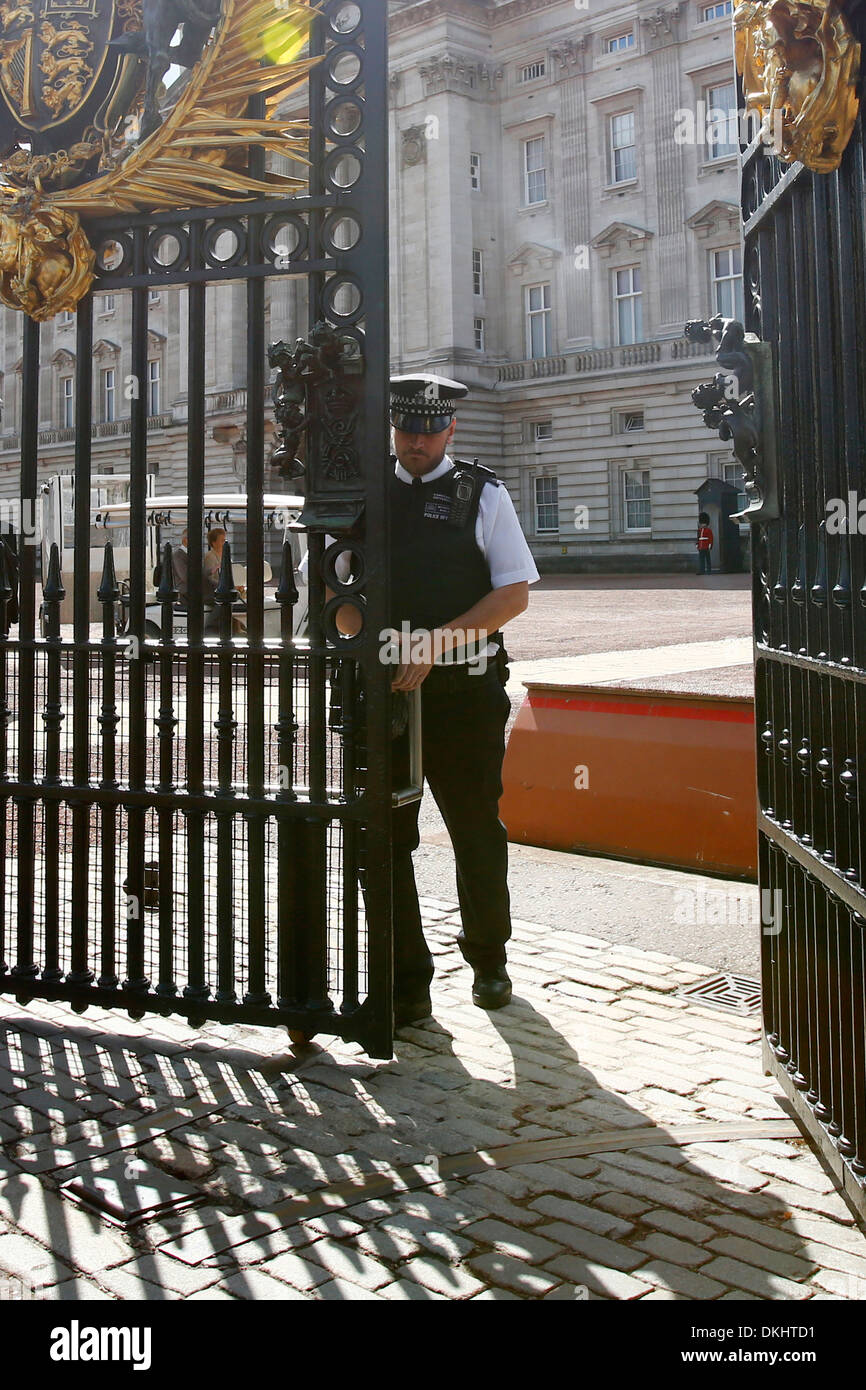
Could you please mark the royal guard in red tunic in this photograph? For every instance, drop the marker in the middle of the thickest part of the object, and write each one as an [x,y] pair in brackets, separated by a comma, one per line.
[704,544]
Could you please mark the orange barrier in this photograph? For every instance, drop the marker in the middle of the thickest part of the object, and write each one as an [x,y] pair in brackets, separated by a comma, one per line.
[656,777]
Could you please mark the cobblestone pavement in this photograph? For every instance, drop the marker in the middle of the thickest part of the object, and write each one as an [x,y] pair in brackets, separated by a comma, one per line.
[602,1137]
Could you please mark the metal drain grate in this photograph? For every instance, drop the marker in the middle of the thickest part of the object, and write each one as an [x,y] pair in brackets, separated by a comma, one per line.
[734,993]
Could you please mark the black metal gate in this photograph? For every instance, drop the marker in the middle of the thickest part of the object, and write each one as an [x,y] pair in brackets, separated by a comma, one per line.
[182,825]
[805,278]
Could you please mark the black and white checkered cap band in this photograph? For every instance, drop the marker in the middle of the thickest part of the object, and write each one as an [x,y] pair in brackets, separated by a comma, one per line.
[422,405]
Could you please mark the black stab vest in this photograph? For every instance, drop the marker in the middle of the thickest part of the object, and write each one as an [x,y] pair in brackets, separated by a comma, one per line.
[437,570]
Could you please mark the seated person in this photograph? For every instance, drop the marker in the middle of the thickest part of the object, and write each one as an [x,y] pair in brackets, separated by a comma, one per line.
[180,570]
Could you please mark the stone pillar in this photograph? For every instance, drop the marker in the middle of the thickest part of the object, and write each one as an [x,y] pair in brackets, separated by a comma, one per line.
[662,28]
[574,145]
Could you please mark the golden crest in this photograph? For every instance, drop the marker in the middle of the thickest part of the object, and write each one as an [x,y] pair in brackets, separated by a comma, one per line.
[122,137]
[46,262]
[800,64]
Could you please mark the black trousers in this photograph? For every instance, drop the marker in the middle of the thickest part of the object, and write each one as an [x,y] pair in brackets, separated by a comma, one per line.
[464,719]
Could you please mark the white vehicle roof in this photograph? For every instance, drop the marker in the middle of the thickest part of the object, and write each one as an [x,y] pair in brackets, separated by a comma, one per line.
[117,513]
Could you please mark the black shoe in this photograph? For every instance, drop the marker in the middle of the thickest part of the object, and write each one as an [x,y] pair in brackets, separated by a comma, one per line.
[491,988]
[408,1011]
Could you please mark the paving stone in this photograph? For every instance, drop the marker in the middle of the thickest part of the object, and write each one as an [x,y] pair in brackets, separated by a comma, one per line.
[578,1214]
[522,1245]
[622,1204]
[333,1224]
[293,1269]
[677,1225]
[77,1291]
[840,1284]
[667,1247]
[148,1273]
[255,1285]
[446,1244]
[406,1290]
[215,1294]
[342,1291]
[747,1276]
[494,1295]
[30,1262]
[828,1233]
[342,1262]
[450,1280]
[788,1265]
[685,1281]
[596,1248]
[612,1283]
[666,1194]
[507,1271]
[556,1178]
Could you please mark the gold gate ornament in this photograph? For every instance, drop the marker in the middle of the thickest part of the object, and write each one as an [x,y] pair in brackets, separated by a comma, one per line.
[46,261]
[800,64]
[87,127]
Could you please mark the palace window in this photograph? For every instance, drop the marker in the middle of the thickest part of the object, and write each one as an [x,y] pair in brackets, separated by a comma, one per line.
[531,72]
[67,402]
[539,315]
[546,505]
[727,274]
[620,43]
[477,272]
[637,507]
[475,172]
[623,154]
[534,171]
[628,305]
[108,395]
[722,121]
[153,387]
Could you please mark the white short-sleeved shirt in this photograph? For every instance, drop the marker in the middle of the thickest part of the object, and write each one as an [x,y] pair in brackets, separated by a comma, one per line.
[497,534]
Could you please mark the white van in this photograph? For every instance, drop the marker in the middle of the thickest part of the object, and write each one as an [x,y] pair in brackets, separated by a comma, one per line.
[166,519]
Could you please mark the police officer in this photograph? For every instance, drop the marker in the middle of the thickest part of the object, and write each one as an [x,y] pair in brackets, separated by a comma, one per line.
[460,570]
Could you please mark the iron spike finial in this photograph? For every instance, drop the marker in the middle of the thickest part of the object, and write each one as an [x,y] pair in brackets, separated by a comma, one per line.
[53,591]
[108,591]
[166,591]
[287,590]
[225,590]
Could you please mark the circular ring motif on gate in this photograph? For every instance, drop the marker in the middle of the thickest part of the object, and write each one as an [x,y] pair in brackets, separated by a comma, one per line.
[343,168]
[344,118]
[167,250]
[341,232]
[285,236]
[358,572]
[345,67]
[344,17]
[342,299]
[329,620]
[114,254]
[225,243]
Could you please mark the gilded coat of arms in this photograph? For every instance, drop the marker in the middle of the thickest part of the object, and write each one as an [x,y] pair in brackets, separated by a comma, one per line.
[800,65]
[125,105]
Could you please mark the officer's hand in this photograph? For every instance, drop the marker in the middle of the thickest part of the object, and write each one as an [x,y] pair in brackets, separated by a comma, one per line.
[410,675]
